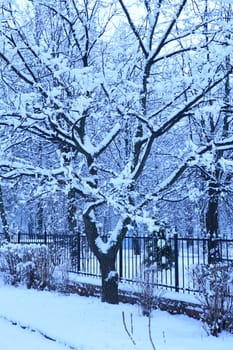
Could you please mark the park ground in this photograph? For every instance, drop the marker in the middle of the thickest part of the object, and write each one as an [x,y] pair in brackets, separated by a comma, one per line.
[35,320]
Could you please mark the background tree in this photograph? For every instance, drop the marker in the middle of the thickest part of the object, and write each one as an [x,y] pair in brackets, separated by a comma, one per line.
[211,124]
[3,216]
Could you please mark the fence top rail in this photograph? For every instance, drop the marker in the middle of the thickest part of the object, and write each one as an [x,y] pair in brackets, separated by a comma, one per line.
[183,238]
[38,236]
[205,239]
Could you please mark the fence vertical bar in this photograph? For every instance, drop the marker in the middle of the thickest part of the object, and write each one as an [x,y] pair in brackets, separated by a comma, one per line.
[176,262]
[121,260]
[19,236]
[45,237]
[79,251]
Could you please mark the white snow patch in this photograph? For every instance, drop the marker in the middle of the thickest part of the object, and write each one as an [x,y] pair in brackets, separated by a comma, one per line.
[87,324]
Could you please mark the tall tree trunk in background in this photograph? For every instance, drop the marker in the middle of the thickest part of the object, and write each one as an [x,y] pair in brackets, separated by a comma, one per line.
[5,226]
[214,189]
[212,223]
[40,217]
[40,209]
[72,209]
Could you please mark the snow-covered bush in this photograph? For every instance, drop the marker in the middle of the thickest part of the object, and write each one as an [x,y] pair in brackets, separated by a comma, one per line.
[61,274]
[158,248]
[29,264]
[215,287]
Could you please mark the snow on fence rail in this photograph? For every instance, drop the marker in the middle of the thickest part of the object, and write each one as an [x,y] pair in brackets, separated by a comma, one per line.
[186,252]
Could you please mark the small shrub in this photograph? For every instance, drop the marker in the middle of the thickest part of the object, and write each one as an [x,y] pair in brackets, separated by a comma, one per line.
[29,264]
[215,286]
[148,294]
[158,249]
[61,274]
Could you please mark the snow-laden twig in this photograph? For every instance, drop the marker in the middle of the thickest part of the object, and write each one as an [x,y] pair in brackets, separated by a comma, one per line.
[130,333]
[126,329]
[150,335]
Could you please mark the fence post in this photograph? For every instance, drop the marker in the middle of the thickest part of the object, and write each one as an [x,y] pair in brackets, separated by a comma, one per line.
[19,237]
[79,251]
[121,260]
[176,248]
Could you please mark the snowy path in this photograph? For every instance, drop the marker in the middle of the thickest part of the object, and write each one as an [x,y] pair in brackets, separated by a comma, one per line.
[87,324]
[40,335]
[14,336]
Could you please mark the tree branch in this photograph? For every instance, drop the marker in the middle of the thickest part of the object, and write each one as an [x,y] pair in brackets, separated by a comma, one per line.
[133,27]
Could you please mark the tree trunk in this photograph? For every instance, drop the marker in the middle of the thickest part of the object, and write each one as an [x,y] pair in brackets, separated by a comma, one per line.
[109,279]
[5,226]
[40,217]
[212,226]
[105,255]
[72,209]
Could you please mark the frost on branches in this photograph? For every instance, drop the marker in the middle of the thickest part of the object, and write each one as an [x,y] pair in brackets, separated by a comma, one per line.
[115,111]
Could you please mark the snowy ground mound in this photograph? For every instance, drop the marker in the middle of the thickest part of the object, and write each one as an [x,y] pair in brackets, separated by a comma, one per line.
[36,320]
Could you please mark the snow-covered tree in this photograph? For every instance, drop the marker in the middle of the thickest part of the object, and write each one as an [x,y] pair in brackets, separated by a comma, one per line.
[108,86]
[211,124]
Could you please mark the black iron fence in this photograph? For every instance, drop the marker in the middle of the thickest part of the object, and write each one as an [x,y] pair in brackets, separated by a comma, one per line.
[173,259]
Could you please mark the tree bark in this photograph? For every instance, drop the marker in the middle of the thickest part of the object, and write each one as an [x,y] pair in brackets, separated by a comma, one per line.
[5,226]
[72,209]
[212,226]
[107,260]
[109,277]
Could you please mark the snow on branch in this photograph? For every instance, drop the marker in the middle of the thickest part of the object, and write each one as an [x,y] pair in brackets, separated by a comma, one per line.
[115,237]
[193,160]
[133,27]
[108,139]
[61,176]
[225,144]
[15,169]
[167,32]
[16,71]
[182,112]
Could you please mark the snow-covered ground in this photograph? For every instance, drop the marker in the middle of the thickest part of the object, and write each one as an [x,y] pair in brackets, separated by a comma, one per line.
[32,320]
